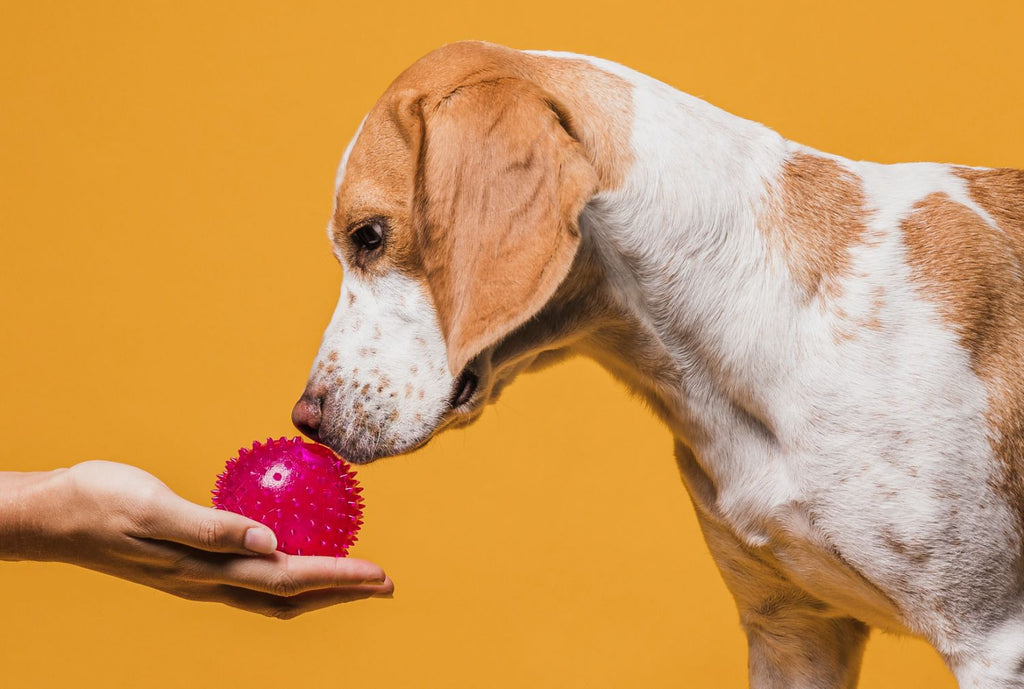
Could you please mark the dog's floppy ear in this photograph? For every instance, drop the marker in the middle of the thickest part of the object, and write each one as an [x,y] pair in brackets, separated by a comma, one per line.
[500,187]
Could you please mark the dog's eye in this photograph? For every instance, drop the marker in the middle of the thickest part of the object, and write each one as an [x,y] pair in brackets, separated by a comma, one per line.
[369,236]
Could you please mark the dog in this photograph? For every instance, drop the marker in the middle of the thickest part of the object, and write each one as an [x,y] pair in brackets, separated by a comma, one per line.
[836,346]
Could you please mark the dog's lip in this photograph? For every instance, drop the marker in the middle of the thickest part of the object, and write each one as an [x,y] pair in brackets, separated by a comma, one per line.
[336,446]
[468,407]
[451,417]
[464,390]
[407,449]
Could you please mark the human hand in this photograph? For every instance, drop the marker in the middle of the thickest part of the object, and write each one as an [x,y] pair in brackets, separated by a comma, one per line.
[123,521]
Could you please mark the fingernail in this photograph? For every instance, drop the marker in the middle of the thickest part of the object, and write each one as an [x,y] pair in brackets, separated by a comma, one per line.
[376,580]
[261,541]
[390,594]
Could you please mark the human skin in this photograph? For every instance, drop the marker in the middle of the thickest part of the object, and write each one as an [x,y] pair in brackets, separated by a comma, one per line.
[120,520]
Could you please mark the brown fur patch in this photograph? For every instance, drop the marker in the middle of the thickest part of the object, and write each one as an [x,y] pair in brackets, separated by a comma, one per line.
[503,187]
[965,265]
[599,111]
[874,320]
[814,214]
[378,182]
[973,273]
[478,159]
[1000,191]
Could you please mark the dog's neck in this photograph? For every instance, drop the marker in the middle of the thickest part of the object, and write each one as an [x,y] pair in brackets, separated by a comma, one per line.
[704,322]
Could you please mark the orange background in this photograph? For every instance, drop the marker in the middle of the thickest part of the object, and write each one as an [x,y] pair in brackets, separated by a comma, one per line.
[165,280]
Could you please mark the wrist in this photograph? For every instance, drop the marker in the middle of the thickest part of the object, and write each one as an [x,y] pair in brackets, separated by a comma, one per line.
[28,502]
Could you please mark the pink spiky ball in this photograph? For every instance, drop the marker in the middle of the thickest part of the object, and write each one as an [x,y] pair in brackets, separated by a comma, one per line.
[304,492]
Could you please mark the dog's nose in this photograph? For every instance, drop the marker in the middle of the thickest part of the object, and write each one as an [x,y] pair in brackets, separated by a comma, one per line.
[306,414]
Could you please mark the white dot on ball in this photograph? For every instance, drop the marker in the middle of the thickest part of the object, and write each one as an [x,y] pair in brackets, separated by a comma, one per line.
[274,475]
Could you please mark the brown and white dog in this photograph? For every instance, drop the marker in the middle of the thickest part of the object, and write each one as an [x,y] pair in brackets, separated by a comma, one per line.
[837,346]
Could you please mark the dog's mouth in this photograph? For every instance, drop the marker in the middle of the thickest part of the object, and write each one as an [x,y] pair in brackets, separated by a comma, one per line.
[464,390]
[465,399]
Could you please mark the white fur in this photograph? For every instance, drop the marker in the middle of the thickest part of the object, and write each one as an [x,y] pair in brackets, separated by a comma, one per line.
[343,165]
[383,365]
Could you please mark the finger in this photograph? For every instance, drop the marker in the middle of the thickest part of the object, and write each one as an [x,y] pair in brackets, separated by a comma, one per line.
[291,575]
[289,607]
[175,519]
[276,574]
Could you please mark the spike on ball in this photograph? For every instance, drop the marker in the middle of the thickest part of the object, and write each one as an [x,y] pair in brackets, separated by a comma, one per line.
[303,491]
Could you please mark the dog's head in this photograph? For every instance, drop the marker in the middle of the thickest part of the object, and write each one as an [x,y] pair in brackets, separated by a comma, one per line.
[455,222]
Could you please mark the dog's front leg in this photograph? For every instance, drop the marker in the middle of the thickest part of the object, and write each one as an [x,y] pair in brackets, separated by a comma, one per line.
[794,640]
[797,651]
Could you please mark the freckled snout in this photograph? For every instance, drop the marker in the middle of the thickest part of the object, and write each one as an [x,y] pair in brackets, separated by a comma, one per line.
[380,384]
[306,414]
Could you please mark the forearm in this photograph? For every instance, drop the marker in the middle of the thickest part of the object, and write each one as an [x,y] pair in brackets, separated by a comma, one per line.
[26,503]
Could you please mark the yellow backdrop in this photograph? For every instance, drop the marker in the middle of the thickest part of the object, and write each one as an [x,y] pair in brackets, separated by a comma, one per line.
[167,170]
